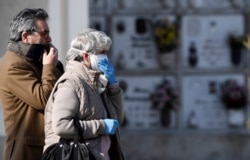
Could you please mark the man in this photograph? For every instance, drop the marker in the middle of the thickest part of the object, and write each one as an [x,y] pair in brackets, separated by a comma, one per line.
[29,69]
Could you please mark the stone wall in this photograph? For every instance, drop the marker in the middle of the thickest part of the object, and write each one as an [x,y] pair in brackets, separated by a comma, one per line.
[190,146]
[145,144]
[160,146]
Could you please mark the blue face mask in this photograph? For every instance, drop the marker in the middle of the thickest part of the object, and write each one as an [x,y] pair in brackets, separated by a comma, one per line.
[94,59]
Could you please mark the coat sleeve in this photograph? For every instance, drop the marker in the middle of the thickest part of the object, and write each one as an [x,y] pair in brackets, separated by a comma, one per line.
[66,108]
[117,102]
[31,87]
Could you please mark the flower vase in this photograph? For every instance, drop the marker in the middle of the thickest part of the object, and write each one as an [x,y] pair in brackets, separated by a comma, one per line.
[165,117]
[236,117]
[236,54]
[166,60]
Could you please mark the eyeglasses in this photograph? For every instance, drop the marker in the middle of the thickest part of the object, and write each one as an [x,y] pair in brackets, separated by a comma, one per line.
[44,34]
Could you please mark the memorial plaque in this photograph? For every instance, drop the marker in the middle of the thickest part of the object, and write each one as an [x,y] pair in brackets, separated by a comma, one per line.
[139,112]
[98,4]
[133,46]
[146,4]
[201,101]
[207,36]
[98,22]
[213,4]
[133,41]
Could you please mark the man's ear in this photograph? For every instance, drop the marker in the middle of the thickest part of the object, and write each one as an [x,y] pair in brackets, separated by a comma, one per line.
[24,37]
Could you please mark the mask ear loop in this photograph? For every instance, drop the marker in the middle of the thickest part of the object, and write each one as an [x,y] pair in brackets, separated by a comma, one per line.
[78,50]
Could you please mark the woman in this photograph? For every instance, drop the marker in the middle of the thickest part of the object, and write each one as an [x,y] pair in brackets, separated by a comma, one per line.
[88,91]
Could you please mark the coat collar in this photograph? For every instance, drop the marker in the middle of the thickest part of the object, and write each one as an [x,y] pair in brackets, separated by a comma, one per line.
[19,47]
[89,75]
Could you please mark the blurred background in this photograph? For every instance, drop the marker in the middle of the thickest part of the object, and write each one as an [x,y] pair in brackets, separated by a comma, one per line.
[183,65]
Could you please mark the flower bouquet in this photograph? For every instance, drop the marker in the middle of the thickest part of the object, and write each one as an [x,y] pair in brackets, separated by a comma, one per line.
[165,36]
[234,96]
[164,98]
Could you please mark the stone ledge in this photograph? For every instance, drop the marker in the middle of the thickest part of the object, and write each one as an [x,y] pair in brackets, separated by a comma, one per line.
[185,147]
[2,140]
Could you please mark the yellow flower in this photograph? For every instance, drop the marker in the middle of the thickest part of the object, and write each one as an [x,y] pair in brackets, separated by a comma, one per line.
[248,126]
[165,35]
[246,42]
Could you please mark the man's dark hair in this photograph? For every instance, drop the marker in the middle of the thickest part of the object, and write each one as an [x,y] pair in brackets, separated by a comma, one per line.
[25,21]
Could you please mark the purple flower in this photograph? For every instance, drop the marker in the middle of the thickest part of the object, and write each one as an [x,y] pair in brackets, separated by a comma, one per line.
[164,96]
[234,96]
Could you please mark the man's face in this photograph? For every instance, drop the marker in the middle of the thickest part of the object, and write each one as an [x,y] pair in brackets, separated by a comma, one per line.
[41,35]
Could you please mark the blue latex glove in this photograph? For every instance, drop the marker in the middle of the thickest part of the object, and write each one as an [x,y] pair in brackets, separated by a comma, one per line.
[110,126]
[108,70]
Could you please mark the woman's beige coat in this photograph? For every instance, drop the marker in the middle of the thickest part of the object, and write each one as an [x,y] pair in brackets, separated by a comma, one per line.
[75,96]
[24,90]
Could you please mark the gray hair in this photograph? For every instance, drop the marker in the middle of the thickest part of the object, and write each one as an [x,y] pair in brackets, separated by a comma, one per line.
[88,40]
[25,21]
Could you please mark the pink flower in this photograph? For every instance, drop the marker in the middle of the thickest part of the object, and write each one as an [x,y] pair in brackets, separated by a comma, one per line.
[234,96]
[164,96]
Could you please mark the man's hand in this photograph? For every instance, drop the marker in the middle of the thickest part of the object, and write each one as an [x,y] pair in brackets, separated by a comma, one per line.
[51,57]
